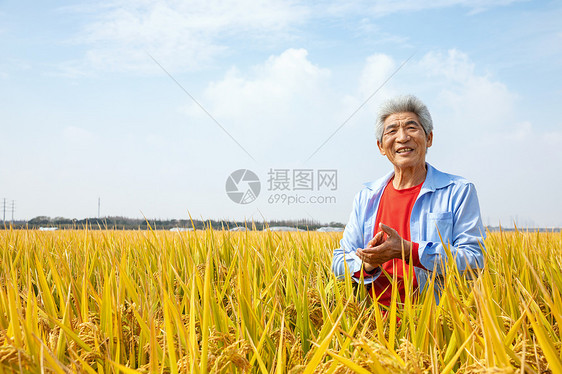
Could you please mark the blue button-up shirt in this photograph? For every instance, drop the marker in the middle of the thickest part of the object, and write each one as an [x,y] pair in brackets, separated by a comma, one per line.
[447,205]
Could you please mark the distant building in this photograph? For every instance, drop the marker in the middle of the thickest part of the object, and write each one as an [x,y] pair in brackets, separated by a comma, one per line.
[282,228]
[330,229]
[239,228]
[180,229]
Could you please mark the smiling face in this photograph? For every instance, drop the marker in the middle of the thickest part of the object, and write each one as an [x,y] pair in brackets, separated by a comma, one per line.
[404,141]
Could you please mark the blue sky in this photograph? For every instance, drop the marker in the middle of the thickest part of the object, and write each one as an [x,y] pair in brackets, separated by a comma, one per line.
[87,113]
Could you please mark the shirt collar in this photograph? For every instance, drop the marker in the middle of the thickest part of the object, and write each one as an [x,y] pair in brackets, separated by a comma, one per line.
[434,180]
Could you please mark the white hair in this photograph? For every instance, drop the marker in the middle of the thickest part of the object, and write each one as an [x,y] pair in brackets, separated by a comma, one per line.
[402,104]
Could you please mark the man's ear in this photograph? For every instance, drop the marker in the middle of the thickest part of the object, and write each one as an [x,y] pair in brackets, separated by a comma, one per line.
[429,139]
[381,150]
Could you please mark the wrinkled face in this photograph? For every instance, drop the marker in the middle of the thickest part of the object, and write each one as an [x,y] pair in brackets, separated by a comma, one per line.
[404,141]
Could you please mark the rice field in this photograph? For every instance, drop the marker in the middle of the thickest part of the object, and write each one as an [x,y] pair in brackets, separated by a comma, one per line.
[264,302]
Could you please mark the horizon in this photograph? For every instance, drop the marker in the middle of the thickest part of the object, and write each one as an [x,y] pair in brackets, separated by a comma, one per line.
[296,221]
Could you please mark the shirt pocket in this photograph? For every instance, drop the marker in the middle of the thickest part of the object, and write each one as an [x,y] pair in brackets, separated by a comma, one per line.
[440,223]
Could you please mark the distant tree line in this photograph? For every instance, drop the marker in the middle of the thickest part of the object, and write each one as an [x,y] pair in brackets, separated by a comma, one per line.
[125,223]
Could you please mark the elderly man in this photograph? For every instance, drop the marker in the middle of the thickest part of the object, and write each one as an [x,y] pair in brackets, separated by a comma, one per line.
[396,220]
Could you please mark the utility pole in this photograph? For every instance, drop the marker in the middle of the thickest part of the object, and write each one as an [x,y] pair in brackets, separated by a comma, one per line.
[4,208]
[99,203]
[13,208]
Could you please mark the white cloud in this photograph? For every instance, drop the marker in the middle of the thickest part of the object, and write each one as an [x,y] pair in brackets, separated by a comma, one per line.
[372,84]
[188,36]
[271,87]
[280,102]
[473,103]
[183,35]
[377,69]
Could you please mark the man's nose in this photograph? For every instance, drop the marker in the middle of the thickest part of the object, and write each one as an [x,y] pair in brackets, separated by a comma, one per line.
[402,136]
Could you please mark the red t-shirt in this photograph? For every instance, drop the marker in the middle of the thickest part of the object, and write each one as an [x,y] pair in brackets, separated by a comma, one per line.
[395,209]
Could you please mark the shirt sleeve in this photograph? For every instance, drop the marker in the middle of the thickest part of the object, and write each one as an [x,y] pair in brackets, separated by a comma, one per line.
[345,260]
[415,257]
[366,274]
[467,235]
